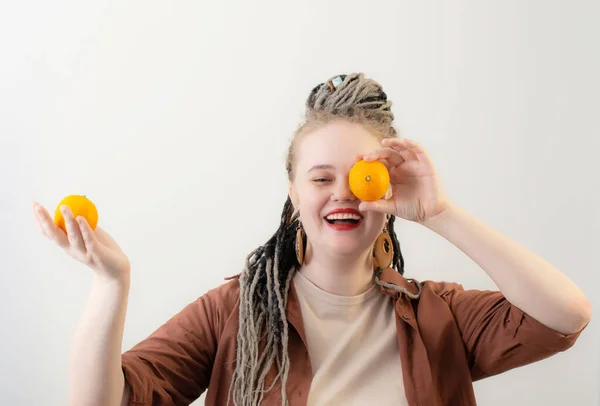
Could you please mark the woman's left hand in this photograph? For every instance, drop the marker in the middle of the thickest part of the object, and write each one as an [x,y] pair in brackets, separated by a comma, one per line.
[416,190]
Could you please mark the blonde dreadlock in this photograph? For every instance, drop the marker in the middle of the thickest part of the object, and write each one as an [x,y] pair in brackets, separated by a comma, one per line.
[266,278]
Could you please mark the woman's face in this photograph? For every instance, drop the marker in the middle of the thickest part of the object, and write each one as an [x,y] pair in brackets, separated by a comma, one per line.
[320,188]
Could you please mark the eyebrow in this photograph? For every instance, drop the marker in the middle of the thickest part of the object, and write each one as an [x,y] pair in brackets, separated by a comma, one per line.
[323,166]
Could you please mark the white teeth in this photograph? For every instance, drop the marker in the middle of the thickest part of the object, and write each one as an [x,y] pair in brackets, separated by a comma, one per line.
[343,216]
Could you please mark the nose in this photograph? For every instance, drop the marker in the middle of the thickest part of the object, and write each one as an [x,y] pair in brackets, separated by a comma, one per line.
[342,192]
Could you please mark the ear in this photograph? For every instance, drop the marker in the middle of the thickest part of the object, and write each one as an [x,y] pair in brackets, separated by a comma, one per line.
[293,197]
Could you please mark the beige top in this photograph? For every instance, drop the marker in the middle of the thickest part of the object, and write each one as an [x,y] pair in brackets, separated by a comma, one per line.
[353,347]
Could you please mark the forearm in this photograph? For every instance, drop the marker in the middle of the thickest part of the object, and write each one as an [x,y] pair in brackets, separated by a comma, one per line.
[95,375]
[526,280]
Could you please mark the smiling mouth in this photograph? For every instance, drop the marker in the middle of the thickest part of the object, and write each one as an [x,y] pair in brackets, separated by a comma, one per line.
[343,219]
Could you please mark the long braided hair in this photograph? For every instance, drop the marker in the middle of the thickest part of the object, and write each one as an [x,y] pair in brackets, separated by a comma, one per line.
[269,269]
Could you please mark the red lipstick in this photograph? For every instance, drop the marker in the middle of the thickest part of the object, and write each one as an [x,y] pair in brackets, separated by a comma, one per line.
[344,224]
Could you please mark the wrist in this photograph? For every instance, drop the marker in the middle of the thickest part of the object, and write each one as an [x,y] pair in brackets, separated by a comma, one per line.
[442,218]
[120,283]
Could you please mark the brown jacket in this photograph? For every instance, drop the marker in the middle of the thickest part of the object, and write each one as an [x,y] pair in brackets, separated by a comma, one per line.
[448,338]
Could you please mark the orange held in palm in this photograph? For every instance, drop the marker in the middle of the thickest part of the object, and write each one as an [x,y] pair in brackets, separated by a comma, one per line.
[369,181]
[80,206]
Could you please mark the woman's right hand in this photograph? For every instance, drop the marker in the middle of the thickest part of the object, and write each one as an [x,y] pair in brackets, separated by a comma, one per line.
[94,248]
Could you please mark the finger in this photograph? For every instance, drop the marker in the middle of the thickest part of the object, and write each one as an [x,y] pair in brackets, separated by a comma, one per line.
[411,147]
[407,148]
[73,231]
[409,155]
[417,149]
[389,193]
[403,156]
[90,241]
[382,160]
[51,230]
[414,145]
[38,219]
[105,239]
[390,155]
[399,144]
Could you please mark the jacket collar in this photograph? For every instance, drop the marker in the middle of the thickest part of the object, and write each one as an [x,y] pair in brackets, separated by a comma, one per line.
[388,275]
[394,277]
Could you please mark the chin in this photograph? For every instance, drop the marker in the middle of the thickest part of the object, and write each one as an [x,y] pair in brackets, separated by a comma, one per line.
[346,245]
[346,242]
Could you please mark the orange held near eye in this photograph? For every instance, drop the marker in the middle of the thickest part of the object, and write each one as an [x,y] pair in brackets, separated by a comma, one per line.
[80,206]
[369,181]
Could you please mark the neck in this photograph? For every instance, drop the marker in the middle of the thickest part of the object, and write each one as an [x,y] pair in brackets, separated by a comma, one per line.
[343,275]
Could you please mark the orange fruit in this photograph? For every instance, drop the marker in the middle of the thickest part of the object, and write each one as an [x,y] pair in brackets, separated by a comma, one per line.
[369,181]
[80,206]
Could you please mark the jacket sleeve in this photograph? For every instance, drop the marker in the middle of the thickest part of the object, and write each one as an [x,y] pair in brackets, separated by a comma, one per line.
[173,365]
[498,336]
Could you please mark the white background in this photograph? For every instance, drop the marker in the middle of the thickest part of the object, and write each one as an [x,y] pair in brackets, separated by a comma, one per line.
[175,117]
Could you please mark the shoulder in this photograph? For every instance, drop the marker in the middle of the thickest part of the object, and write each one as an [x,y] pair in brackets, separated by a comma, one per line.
[222,299]
[441,288]
[461,300]
[211,311]
[226,294]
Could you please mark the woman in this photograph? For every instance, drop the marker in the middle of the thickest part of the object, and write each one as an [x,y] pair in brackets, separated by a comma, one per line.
[322,314]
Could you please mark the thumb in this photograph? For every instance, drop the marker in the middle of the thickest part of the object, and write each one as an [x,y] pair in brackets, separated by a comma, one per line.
[382,206]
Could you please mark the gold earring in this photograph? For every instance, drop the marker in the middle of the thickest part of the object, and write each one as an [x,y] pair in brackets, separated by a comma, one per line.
[300,243]
[383,251]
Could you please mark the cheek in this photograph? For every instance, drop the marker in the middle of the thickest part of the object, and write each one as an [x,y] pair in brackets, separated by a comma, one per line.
[376,222]
[312,199]
[311,206]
